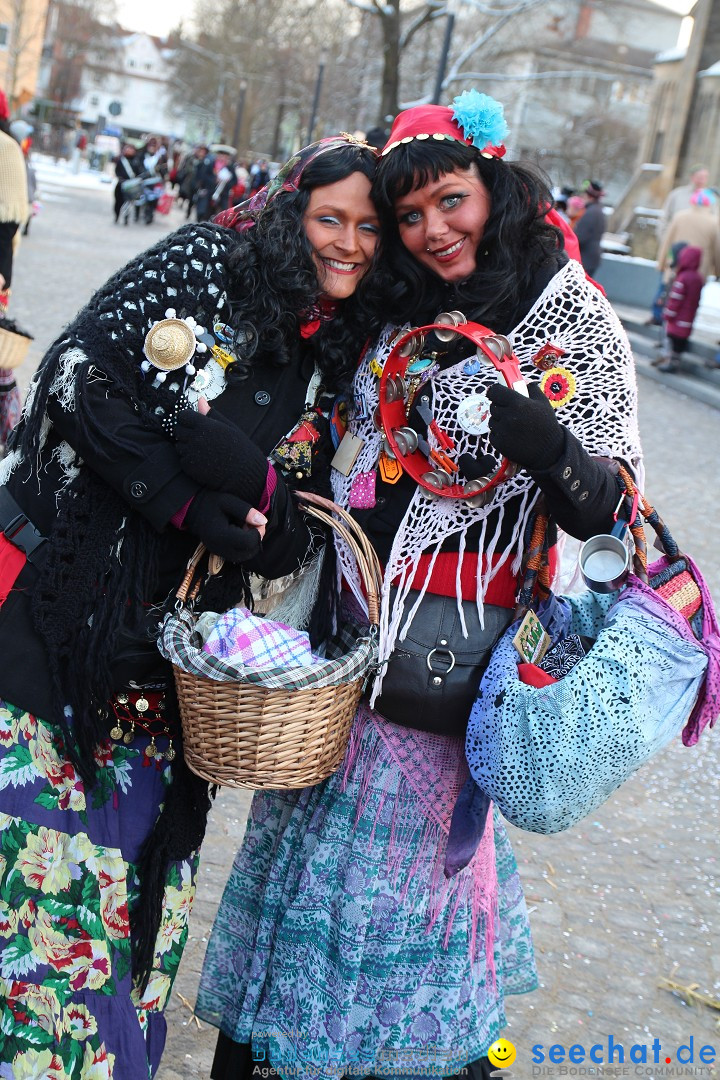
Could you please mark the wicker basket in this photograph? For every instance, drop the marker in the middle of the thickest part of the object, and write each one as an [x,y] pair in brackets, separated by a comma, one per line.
[278,728]
[13,349]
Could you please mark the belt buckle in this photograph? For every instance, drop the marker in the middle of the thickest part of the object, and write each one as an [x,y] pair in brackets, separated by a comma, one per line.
[22,533]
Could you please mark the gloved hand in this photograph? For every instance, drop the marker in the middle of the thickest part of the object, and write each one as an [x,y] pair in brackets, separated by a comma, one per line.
[218,518]
[218,454]
[525,429]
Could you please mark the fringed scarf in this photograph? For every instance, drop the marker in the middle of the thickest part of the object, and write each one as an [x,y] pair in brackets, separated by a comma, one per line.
[600,410]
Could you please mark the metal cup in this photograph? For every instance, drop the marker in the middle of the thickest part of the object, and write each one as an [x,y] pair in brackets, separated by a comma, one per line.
[604,563]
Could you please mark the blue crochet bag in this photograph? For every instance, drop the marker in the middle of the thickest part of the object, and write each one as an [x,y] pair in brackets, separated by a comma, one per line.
[548,756]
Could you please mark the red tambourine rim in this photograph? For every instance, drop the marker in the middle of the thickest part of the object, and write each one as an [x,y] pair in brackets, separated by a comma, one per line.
[392,413]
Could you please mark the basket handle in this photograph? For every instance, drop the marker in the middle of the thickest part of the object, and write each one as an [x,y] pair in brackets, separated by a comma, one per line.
[322,509]
[192,580]
[364,553]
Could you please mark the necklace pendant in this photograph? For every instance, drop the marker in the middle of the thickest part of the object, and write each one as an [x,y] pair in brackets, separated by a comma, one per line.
[416,367]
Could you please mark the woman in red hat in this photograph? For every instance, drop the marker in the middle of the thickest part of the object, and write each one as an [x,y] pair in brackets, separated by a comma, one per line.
[373,924]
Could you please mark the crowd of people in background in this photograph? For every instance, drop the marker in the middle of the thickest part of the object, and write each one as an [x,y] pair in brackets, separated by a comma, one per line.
[688,231]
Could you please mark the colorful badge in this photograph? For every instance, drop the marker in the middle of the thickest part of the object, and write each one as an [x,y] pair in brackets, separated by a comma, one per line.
[473,414]
[558,385]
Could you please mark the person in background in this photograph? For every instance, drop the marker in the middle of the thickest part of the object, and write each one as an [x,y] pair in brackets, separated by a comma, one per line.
[681,307]
[226,178]
[353,937]
[699,226]
[149,154]
[117,470]
[259,175]
[14,213]
[80,142]
[679,198]
[203,183]
[575,209]
[377,136]
[127,167]
[590,227]
[238,192]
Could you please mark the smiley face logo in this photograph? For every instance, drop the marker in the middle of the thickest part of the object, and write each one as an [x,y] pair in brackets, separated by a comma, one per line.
[502,1053]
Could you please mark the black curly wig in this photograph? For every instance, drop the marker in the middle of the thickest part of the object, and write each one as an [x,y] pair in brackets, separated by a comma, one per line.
[516,243]
[274,284]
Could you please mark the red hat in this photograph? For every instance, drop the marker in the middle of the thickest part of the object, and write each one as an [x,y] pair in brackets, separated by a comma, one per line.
[4,107]
[473,119]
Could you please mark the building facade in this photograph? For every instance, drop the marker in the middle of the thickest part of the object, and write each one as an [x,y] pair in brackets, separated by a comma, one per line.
[22,29]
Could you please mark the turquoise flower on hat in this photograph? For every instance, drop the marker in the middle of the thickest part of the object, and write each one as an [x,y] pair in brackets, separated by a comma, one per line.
[480,117]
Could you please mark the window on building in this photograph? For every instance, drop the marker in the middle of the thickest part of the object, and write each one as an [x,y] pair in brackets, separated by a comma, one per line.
[148,67]
[4,35]
[94,100]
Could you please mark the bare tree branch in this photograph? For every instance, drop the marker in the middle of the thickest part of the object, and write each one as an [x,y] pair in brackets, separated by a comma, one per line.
[371,8]
[483,38]
[420,17]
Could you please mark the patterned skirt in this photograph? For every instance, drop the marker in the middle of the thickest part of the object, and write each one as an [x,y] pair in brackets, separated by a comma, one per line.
[67,882]
[340,948]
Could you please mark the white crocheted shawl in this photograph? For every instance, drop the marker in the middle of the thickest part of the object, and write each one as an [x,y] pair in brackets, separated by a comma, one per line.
[572,314]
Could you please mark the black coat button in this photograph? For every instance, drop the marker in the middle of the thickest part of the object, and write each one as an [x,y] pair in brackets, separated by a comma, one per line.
[138,490]
[262,397]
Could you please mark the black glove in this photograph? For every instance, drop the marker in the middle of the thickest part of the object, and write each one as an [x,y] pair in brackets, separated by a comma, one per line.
[525,429]
[218,454]
[218,519]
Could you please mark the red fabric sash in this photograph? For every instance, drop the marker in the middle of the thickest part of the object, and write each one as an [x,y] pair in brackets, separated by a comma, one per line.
[12,560]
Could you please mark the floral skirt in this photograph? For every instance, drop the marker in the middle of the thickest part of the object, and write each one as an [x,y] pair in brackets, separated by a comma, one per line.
[68,1007]
[340,948]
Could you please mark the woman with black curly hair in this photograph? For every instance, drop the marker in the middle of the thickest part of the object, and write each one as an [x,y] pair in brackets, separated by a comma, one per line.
[118,468]
[372,925]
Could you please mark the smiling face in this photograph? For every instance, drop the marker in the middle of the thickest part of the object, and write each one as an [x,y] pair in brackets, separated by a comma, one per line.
[443,223]
[502,1053]
[342,226]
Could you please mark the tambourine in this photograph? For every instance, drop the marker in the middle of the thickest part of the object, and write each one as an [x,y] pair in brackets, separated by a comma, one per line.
[433,470]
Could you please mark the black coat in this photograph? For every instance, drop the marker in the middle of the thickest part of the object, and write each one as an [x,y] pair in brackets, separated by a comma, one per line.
[141,464]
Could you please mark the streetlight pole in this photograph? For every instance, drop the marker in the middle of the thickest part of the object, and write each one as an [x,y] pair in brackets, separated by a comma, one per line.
[316,98]
[449,26]
[239,113]
[219,97]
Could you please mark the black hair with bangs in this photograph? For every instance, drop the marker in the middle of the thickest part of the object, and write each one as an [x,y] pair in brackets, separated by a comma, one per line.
[516,244]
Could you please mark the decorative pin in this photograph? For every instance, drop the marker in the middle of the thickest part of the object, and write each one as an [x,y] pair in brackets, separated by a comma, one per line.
[360,411]
[376,367]
[558,385]
[170,344]
[362,491]
[224,333]
[472,366]
[390,468]
[415,367]
[473,414]
[547,356]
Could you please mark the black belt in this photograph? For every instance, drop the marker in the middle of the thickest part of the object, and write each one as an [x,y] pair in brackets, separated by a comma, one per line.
[19,530]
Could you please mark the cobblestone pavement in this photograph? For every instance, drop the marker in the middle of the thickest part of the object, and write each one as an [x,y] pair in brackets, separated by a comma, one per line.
[627,898]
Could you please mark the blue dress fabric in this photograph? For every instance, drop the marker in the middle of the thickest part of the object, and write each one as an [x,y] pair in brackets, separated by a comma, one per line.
[341,947]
